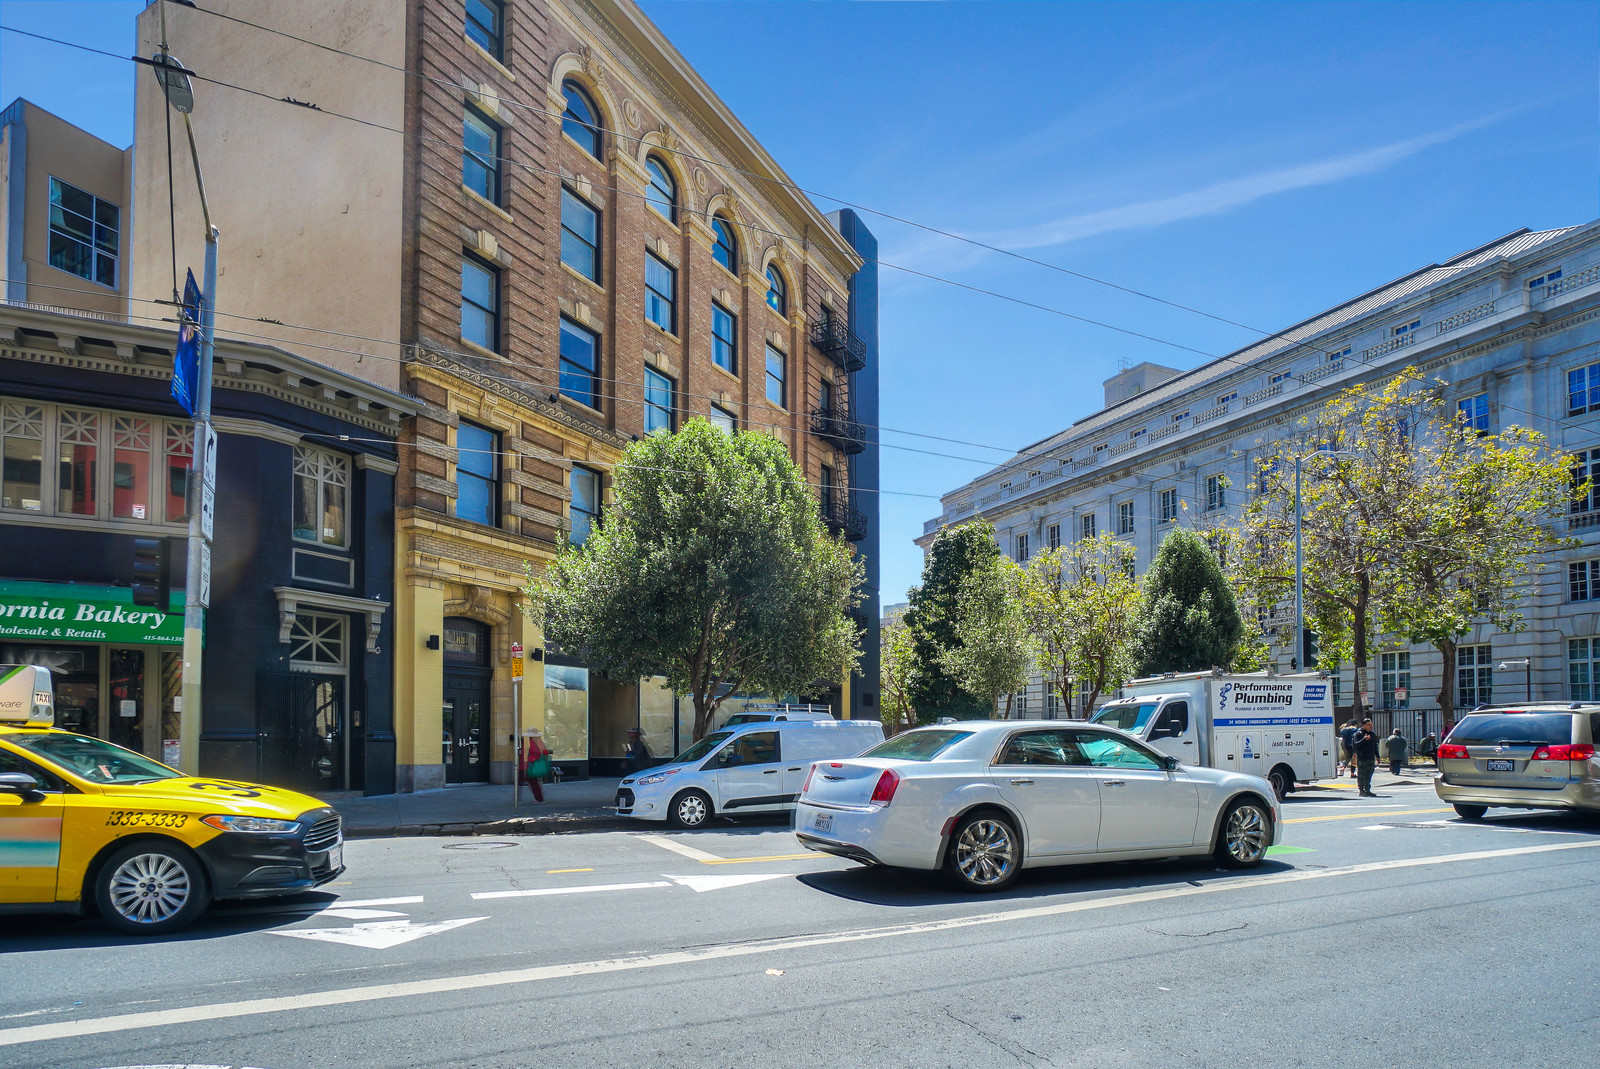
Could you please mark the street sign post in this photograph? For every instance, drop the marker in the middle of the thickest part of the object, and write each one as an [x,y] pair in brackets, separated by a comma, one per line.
[516,726]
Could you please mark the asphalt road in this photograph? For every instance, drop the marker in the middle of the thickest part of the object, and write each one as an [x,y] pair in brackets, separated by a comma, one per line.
[1383,932]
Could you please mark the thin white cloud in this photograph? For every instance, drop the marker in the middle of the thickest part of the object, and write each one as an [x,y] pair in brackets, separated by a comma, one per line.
[1225,196]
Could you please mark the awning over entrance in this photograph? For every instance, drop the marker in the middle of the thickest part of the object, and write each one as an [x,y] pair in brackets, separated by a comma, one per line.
[73,612]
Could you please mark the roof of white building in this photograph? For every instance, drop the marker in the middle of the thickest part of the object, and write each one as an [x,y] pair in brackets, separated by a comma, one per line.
[1514,244]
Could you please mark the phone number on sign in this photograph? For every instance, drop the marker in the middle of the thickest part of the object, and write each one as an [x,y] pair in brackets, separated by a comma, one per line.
[121,818]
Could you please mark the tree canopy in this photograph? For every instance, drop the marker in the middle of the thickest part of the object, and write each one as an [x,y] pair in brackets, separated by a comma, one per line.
[991,658]
[956,552]
[711,568]
[1081,605]
[1190,620]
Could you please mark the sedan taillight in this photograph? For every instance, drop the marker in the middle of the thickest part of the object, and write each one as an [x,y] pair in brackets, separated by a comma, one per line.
[1450,751]
[888,781]
[1579,751]
[807,785]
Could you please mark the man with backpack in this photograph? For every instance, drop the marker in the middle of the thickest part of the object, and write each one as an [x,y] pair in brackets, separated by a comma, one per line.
[1347,742]
[1366,754]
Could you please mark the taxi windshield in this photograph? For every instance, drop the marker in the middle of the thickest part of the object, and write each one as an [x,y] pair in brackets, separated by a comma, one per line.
[94,760]
[1129,716]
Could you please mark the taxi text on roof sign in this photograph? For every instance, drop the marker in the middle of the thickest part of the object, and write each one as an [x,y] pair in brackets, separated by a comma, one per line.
[26,694]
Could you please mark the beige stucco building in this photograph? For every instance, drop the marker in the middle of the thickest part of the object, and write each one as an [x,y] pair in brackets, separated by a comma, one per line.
[535,218]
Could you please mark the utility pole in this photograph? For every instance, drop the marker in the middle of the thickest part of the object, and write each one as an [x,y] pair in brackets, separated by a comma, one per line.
[202,489]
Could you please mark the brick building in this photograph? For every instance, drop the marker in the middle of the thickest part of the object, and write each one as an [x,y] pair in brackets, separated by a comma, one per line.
[555,236]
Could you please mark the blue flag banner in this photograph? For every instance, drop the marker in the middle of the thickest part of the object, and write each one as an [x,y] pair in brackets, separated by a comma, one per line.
[186,357]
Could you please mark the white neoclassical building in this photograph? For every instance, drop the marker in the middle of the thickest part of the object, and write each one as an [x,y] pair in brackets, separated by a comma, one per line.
[1513,326]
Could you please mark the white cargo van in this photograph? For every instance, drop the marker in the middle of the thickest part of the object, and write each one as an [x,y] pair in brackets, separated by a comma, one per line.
[743,768]
[1278,727]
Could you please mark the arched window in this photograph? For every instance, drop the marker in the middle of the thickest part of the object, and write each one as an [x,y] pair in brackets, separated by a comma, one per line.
[662,195]
[777,291]
[580,121]
[726,249]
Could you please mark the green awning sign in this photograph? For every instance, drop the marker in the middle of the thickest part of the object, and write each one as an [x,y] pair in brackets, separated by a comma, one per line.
[72,612]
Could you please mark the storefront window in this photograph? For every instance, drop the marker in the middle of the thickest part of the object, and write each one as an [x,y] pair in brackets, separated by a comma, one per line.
[78,446]
[655,716]
[130,472]
[566,711]
[21,456]
[149,461]
[179,455]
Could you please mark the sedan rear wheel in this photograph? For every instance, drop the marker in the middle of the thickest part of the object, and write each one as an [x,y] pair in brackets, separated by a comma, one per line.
[985,853]
[1471,812]
[1246,835]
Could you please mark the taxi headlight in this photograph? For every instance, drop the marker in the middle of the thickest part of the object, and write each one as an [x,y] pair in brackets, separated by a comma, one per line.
[658,777]
[231,822]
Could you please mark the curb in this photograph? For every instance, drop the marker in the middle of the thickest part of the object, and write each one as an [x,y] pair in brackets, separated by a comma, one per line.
[552,825]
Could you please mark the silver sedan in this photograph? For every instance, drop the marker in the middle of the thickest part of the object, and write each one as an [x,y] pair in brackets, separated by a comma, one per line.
[984,800]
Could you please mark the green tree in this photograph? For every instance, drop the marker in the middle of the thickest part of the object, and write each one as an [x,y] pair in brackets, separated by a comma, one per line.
[712,568]
[1080,606]
[956,552]
[897,667]
[1472,524]
[993,654]
[1190,619]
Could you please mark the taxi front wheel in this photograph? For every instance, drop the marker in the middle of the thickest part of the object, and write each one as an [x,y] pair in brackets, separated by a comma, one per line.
[151,888]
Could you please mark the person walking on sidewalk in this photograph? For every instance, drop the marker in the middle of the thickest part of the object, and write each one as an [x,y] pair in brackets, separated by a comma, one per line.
[1347,742]
[1397,752]
[535,761]
[1366,753]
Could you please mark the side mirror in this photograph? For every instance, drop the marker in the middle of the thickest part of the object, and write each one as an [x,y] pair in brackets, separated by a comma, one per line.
[20,783]
[1172,764]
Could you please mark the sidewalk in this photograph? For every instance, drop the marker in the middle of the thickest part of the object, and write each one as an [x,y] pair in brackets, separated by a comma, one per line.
[1415,776]
[485,809]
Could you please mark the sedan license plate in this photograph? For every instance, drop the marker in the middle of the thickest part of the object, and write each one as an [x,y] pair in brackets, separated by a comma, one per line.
[1502,766]
[822,822]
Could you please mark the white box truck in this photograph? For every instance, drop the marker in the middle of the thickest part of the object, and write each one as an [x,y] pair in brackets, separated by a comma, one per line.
[1278,727]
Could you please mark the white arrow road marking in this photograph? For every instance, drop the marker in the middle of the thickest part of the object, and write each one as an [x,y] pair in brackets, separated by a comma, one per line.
[334,907]
[378,935]
[678,848]
[357,914]
[717,883]
[539,892]
[348,996]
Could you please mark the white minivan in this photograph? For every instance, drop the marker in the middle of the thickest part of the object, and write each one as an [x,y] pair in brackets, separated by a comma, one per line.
[744,768]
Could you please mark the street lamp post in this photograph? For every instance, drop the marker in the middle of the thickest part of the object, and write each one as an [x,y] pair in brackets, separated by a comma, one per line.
[175,86]
[1300,643]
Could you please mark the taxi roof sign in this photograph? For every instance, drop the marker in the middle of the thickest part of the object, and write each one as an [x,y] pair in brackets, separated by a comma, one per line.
[27,695]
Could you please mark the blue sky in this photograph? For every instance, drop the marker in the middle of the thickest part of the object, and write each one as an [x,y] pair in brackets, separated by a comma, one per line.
[1258,161]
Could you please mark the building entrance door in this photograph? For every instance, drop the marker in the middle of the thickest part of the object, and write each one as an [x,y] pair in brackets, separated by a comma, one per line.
[126,712]
[466,727]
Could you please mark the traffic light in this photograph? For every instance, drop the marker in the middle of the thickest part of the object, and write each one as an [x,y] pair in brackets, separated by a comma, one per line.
[152,572]
[1308,645]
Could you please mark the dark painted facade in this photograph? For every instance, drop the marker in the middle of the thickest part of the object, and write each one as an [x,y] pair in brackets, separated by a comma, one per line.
[298,666]
[864,483]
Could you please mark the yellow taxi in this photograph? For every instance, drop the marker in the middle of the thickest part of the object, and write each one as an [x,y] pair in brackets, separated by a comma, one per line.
[86,823]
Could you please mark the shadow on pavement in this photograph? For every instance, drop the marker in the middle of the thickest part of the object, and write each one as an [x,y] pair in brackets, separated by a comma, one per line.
[907,887]
[55,931]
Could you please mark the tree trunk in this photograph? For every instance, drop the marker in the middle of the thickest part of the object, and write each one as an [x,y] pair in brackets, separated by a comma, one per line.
[702,714]
[1447,681]
[1007,715]
[1358,626]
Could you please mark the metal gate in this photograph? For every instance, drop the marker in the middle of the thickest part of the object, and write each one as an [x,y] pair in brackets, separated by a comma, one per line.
[302,733]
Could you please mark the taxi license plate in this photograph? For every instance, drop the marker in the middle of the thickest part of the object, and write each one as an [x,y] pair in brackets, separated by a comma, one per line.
[1502,766]
[336,856]
[822,822]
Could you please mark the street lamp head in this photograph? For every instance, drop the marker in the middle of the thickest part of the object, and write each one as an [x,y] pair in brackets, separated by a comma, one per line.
[173,78]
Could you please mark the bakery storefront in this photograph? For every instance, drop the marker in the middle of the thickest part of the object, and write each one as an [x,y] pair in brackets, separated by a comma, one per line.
[117,666]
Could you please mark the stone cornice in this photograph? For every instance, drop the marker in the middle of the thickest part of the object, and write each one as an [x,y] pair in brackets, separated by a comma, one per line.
[421,357]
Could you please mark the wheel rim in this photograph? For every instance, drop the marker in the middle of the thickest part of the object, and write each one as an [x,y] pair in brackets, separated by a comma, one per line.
[1247,833]
[986,852]
[149,888]
[692,809]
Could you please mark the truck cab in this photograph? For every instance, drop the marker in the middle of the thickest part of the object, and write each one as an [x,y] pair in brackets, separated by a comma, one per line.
[1165,721]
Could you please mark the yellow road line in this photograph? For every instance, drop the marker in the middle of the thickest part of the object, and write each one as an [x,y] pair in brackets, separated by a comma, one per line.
[774,857]
[568,870]
[1354,816]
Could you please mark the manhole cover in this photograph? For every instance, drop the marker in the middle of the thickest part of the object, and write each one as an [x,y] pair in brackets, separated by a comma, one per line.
[477,846]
